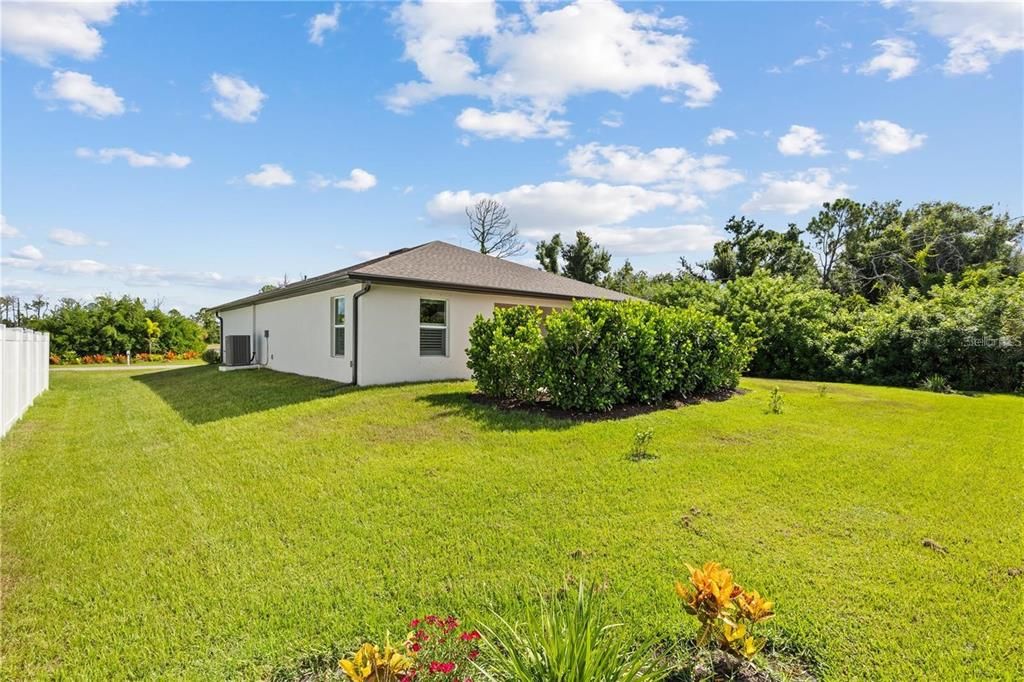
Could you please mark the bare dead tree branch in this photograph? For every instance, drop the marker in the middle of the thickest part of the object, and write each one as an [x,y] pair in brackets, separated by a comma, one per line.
[492,230]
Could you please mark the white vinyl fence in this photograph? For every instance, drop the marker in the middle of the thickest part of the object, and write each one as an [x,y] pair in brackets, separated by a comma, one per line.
[25,371]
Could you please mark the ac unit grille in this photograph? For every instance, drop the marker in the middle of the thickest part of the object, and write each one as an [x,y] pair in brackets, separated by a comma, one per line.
[237,350]
[433,341]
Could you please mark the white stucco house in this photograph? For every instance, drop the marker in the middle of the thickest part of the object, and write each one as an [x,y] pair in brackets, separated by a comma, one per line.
[401,317]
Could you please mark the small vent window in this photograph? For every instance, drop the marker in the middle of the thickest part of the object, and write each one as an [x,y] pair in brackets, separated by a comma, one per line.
[433,327]
[338,326]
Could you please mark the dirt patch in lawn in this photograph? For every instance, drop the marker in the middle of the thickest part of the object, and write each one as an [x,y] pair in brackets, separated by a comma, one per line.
[544,406]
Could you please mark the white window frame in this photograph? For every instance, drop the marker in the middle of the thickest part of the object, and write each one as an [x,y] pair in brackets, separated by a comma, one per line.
[335,326]
[434,325]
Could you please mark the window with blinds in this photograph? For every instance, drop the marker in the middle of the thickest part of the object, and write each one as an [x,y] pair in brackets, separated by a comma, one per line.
[433,327]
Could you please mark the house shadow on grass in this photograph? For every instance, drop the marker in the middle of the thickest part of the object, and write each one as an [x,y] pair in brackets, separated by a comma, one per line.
[493,417]
[204,394]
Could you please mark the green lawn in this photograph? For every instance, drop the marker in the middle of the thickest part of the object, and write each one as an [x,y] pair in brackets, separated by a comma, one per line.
[196,524]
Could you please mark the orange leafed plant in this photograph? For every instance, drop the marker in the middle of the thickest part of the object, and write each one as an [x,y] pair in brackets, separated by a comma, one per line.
[726,612]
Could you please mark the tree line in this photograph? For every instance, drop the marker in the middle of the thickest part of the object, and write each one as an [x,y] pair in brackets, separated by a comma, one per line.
[108,325]
[868,292]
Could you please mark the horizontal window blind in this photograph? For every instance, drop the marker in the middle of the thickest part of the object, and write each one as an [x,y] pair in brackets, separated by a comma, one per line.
[433,340]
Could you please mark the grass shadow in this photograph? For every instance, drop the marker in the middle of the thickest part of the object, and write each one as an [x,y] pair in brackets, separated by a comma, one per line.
[492,417]
[203,394]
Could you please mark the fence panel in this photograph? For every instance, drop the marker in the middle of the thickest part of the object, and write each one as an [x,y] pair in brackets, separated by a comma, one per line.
[24,371]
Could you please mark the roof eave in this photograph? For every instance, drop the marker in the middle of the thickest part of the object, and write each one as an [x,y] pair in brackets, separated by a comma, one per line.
[448,286]
[290,291]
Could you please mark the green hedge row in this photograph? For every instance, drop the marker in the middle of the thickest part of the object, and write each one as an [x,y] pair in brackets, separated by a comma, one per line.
[599,354]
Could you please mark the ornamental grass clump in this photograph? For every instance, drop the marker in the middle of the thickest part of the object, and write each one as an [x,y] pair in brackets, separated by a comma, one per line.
[728,614]
[567,641]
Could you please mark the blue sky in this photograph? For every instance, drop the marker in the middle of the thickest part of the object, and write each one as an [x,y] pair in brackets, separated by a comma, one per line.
[188,152]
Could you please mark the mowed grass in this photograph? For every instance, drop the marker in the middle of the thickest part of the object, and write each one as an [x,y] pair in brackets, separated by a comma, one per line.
[196,524]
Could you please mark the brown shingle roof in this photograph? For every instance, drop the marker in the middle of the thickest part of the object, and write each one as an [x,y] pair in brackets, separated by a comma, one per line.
[444,266]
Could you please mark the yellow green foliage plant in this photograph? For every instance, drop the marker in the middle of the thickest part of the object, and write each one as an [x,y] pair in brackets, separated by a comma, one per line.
[728,614]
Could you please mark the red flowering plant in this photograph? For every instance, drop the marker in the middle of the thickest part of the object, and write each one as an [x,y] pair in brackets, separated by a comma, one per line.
[442,649]
[436,650]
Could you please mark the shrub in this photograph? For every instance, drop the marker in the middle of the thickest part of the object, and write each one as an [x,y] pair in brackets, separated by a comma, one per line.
[211,356]
[714,357]
[775,401]
[641,442]
[69,357]
[581,357]
[972,335]
[170,356]
[505,353]
[789,322]
[599,354]
[54,359]
[120,359]
[567,642]
[189,355]
[727,614]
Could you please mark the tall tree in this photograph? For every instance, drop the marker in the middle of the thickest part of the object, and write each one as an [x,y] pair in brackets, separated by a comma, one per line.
[548,253]
[491,229]
[753,247]
[925,245]
[829,231]
[585,260]
[38,305]
[209,324]
[7,304]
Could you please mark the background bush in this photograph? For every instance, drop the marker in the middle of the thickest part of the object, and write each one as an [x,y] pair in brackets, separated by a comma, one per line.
[108,326]
[599,354]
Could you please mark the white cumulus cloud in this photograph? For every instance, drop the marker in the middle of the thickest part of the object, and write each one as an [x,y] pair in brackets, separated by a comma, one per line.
[820,55]
[358,180]
[323,23]
[28,252]
[854,154]
[720,136]
[612,119]
[557,205]
[801,141]
[515,125]
[888,137]
[135,274]
[66,237]
[82,94]
[235,99]
[7,230]
[270,175]
[795,192]
[40,31]
[135,159]
[897,56]
[645,241]
[535,60]
[668,166]
[978,34]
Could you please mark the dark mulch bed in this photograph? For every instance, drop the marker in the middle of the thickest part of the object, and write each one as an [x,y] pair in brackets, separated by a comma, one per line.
[544,406]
